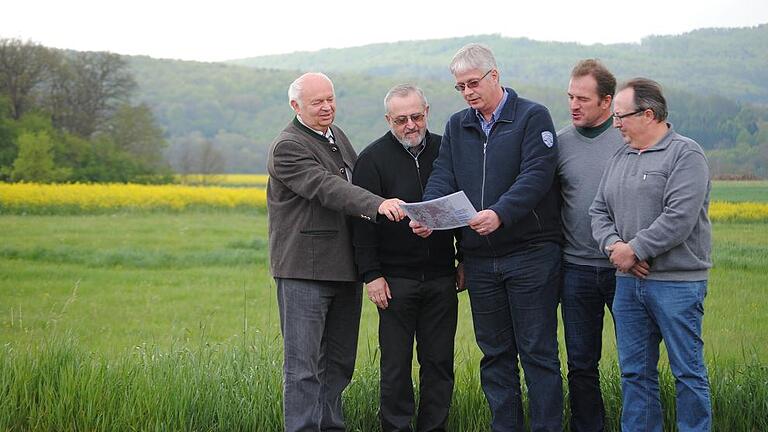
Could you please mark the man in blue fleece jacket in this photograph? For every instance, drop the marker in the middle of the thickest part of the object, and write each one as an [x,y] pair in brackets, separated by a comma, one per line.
[501,151]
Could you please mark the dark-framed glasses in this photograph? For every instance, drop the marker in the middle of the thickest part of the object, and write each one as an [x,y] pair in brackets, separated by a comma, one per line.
[619,117]
[473,83]
[401,120]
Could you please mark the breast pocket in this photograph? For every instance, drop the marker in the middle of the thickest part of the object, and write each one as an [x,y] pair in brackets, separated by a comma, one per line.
[652,186]
[653,180]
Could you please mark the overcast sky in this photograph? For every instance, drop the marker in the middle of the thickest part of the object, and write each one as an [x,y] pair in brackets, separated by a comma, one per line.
[227,29]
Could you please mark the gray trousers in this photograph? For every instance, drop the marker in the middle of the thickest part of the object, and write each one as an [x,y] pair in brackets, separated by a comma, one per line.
[320,322]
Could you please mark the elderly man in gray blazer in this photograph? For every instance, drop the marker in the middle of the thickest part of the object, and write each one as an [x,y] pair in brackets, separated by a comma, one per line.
[310,200]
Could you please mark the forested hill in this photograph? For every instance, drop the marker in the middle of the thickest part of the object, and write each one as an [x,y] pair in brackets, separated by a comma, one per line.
[235,111]
[729,62]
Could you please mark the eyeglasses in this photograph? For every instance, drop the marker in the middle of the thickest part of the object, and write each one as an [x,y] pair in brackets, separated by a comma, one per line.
[619,117]
[401,120]
[473,83]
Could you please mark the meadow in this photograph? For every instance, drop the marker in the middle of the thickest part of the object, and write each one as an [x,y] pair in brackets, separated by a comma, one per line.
[739,191]
[128,318]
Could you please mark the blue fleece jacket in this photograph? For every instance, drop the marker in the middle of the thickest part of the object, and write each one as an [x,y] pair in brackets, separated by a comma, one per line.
[511,171]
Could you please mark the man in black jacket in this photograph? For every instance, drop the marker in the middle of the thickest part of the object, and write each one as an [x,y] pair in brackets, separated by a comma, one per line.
[411,280]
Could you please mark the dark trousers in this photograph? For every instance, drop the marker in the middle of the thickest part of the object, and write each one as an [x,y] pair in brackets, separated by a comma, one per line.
[320,322]
[586,292]
[514,311]
[427,311]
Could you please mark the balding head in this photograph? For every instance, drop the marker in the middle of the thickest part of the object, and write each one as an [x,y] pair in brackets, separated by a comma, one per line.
[297,86]
[312,98]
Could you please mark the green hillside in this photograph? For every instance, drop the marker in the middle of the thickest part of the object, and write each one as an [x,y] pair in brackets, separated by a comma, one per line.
[238,109]
[113,118]
[728,62]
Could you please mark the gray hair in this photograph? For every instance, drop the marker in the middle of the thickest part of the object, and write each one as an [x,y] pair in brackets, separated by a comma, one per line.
[648,95]
[473,56]
[403,90]
[296,87]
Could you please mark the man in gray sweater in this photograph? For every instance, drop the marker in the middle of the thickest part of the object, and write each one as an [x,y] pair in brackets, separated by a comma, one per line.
[589,279]
[650,216]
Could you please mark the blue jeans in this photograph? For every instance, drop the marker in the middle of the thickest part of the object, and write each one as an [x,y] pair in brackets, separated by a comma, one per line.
[514,311]
[645,312]
[320,322]
[587,291]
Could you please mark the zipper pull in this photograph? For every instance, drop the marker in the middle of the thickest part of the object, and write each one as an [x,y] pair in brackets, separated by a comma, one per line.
[645,175]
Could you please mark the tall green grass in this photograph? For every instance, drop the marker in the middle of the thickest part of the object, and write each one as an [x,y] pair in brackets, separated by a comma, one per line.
[58,386]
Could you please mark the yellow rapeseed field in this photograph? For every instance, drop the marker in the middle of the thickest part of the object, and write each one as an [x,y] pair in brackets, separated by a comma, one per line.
[22,197]
[90,197]
[738,212]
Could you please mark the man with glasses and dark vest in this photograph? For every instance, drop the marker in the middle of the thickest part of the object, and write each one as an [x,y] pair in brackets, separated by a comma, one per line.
[501,151]
[310,200]
[650,218]
[411,280]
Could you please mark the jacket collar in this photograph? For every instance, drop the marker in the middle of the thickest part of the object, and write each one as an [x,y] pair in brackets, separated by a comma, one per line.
[310,132]
[662,144]
[507,112]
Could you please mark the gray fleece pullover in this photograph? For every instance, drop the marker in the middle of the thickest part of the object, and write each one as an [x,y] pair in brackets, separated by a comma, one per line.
[580,165]
[657,201]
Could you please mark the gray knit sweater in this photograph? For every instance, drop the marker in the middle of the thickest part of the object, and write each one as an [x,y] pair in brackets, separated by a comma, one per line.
[657,201]
[580,165]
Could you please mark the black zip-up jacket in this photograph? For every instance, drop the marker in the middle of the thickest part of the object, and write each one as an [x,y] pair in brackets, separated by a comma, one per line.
[389,248]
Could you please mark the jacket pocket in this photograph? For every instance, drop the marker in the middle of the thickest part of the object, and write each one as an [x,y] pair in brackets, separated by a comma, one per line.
[539,227]
[319,233]
[654,175]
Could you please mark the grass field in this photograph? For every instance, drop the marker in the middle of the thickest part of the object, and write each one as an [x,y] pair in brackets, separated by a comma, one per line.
[168,321]
[118,281]
[739,191]
[110,291]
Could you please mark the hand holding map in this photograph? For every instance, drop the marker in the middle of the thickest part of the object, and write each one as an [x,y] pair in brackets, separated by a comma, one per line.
[450,211]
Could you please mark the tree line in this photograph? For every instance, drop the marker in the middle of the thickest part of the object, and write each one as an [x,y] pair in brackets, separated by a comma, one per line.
[68,116]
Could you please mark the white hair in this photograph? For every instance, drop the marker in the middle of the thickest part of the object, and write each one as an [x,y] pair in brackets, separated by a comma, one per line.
[296,87]
[473,56]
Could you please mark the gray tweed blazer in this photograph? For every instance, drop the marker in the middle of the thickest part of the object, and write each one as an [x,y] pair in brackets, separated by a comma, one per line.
[309,201]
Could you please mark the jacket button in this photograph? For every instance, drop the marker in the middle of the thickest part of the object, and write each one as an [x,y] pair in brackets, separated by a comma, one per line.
[334,148]
[342,171]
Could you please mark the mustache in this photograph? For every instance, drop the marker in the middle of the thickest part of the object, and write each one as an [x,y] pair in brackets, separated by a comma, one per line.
[422,133]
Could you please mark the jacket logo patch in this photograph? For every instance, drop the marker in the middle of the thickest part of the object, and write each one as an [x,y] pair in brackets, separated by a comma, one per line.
[548,139]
